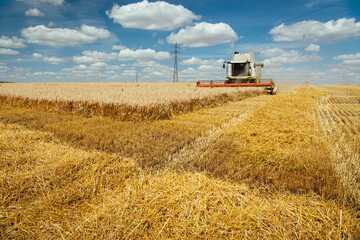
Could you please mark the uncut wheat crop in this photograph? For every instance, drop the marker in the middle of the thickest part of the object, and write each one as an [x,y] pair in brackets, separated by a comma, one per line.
[122,101]
[140,94]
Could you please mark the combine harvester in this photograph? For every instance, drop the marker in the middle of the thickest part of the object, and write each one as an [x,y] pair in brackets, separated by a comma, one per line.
[242,71]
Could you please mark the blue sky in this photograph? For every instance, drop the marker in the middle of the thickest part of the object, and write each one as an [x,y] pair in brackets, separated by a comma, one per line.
[85,41]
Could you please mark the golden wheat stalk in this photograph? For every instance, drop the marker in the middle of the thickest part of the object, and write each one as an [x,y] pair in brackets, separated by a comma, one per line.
[126,112]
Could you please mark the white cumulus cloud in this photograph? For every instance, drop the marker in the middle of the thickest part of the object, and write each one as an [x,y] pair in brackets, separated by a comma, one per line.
[3,68]
[53,60]
[51,24]
[157,15]
[53,2]
[202,72]
[203,34]
[118,47]
[5,51]
[349,60]
[45,73]
[348,57]
[271,52]
[128,73]
[34,12]
[124,54]
[95,56]
[206,67]
[13,42]
[143,54]
[299,75]
[98,64]
[312,48]
[43,35]
[198,61]
[331,31]
[37,55]
[278,56]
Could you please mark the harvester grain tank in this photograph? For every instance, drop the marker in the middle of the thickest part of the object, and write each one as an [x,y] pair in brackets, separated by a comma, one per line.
[242,71]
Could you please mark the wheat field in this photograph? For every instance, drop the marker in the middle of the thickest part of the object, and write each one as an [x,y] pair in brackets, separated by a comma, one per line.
[131,93]
[243,165]
[121,101]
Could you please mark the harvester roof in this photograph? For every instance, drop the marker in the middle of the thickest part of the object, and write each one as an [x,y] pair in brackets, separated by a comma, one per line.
[243,57]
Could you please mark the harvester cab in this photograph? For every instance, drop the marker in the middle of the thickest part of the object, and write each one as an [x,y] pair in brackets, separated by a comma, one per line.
[243,68]
[242,71]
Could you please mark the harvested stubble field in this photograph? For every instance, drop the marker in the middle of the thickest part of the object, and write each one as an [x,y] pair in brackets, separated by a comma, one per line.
[255,166]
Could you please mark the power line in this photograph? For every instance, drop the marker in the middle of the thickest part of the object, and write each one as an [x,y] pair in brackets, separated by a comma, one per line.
[176,57]
[294,18]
